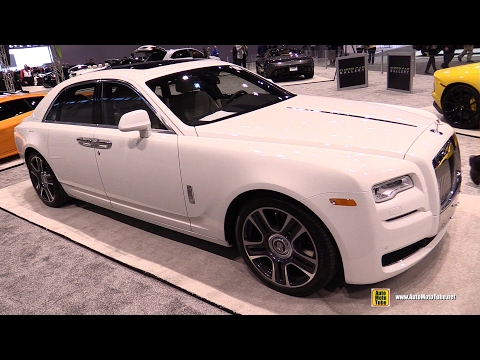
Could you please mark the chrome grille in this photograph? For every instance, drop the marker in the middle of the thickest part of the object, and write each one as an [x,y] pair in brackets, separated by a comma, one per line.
[447,165]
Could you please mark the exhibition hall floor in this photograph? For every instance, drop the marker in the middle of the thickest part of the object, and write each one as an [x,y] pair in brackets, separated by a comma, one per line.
[81,259]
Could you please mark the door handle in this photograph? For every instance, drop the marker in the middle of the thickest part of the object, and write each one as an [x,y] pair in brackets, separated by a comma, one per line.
[94,143]
[103,144]
[87,142]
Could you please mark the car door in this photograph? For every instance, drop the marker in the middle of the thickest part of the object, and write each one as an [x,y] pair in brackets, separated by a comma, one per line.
[141,176]
[71,152]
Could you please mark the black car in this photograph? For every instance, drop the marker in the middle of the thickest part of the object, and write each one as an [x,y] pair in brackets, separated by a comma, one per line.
[285,62]
[49,79]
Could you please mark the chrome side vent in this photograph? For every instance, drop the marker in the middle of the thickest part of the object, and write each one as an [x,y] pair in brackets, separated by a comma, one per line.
[191,197]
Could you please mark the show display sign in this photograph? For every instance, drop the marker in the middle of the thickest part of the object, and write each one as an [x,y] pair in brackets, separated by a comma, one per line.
[352,71]
[399,72]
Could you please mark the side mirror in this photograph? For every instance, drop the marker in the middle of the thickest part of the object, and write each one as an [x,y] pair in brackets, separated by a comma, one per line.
[136,120]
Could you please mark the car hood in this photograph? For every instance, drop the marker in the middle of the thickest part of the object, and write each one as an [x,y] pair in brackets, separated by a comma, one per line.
[468,74]
[457,72]
[328,123]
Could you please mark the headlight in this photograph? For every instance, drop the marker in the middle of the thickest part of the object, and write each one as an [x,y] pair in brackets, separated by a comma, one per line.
[387,190]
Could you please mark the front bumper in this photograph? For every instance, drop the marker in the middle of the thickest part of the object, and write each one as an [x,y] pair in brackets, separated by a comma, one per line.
[438,108]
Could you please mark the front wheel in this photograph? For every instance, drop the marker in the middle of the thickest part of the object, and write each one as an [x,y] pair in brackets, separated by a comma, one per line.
[44,181]
[460,107]
[286,247]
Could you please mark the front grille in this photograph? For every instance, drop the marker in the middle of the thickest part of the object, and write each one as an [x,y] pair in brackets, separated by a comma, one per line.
[447,165]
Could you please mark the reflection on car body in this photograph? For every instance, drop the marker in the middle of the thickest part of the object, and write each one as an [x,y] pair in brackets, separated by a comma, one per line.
[216,151]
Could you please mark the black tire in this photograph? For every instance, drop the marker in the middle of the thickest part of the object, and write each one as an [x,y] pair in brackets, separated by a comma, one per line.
[308,76]
[45,182]
[287,248]
[460,107]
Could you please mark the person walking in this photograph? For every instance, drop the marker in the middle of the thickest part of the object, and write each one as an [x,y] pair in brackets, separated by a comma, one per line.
[431,51]
[371,50]
[467,50]
[332,54]
[448,55]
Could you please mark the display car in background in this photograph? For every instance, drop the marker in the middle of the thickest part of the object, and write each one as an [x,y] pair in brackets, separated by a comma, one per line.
[49,79]
[306,187]
[456,95]
[75,68]
[285,62]
[14,107]
[156,53]
[89,68]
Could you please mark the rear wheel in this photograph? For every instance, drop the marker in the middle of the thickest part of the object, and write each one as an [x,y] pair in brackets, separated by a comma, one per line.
[286,247]
[460,107]
[45,182]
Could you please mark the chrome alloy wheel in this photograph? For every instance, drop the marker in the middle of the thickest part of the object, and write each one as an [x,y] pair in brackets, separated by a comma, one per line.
[280,247]
[41,179]
[288,249]
[44,181]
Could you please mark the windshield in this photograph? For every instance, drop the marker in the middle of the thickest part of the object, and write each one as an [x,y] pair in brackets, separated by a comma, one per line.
[205,95]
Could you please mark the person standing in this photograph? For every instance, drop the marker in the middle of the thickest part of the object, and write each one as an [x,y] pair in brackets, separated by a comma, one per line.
[431,51]
[215,51]
[474,162]
[261,50]
[242,53]
[332,54]
[448,55]
[26,76]
[467,50]
[234,55]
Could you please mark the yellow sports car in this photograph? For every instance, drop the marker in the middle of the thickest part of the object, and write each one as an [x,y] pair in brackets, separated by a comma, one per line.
[14,107]
[456,95]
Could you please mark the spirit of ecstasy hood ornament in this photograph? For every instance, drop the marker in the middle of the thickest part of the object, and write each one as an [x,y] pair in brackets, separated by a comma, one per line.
[437,123]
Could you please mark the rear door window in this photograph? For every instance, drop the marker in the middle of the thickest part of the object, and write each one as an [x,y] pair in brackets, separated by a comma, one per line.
[74,105]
